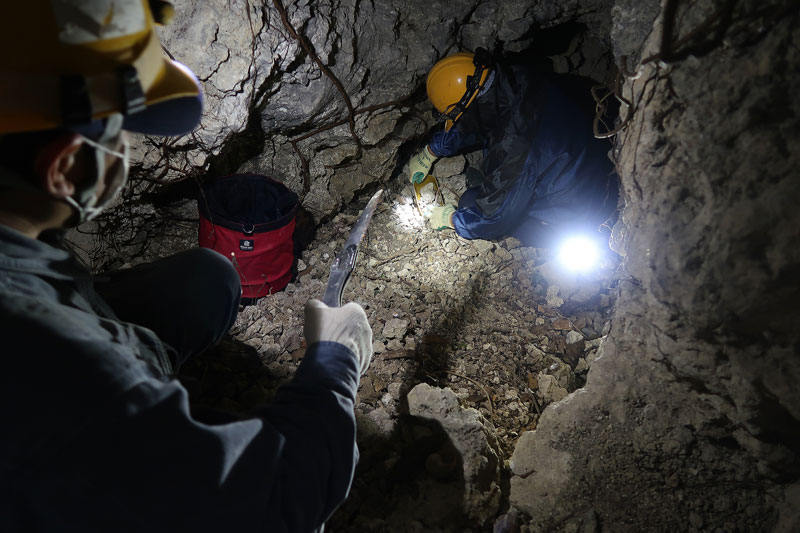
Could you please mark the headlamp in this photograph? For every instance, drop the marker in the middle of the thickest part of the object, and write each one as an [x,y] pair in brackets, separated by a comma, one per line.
[578,253]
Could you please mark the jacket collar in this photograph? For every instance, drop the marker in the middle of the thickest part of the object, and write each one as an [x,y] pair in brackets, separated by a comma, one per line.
[20,253]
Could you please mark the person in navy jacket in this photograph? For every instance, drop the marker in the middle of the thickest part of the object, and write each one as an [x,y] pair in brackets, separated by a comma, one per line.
[543,173]
[97,434]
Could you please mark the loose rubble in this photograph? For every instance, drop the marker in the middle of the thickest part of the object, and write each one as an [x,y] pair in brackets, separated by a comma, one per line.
[475,320]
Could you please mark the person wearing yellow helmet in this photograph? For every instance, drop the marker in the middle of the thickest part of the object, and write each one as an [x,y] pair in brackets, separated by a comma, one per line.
[543,173]
[98,433]
[452,85]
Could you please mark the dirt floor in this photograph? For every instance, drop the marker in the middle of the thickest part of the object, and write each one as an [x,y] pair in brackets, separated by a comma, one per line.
[479,317]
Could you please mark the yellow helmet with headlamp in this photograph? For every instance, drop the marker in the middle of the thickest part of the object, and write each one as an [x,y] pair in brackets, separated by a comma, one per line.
[455,81]
[92,67]
[88,59]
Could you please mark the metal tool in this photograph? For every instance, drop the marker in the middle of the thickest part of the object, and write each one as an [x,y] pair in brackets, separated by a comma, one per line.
[429,180]
[345,261]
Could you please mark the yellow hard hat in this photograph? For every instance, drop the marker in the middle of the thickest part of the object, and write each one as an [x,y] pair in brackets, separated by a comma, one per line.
[453,83]
[68,63]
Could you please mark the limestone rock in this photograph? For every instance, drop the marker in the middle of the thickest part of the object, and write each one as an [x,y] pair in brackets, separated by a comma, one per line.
[395,328]
[550,389]
[449,166]
[473,440]
[574,337]
[701,327]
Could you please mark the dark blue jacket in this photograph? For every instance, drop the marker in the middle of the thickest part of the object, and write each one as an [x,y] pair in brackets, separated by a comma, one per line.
[95,437]
[543,170]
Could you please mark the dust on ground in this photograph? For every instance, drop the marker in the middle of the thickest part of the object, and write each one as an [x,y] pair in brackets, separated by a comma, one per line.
[486,319]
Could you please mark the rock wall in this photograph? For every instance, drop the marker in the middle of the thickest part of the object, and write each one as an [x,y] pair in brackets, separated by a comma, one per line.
[267,95]
[691,416]
[272,105]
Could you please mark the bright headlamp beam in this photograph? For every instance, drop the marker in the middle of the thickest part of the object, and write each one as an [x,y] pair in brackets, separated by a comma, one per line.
[578,254]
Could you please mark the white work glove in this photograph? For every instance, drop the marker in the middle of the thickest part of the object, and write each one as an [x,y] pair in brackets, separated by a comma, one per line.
[347,325]
[441,217]
[420,165]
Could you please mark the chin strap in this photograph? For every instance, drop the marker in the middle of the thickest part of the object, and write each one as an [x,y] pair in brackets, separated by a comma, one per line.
[85,199]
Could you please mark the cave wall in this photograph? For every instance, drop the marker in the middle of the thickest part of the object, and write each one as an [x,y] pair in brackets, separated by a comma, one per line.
[264,89]
[690,419]
[270,106]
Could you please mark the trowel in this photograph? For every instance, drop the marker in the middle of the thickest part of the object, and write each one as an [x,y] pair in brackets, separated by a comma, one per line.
[429,180]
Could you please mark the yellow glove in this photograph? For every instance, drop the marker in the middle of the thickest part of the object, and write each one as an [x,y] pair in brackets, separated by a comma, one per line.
[420,165]
[441,217]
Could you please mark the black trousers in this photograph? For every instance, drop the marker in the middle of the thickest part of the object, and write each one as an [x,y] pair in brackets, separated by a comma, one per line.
[190,299]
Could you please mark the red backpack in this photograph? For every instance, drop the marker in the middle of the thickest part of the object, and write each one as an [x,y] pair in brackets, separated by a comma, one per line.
[250,219]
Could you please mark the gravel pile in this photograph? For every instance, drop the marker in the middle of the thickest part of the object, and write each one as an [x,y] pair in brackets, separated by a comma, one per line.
[492,321]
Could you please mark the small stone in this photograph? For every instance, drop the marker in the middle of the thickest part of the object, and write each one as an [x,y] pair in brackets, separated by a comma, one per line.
[378,385]
[549,388]
[594,343]
[534,352]
[503,254]
[483,247]
[507,523]
[573,337]
[562,324]
[592,356]
[451,246]
[552,298]
[695,520]
[378,346]
[605,301]
[379,423]
[450,166]
[395,328]
[589,332]
[394,345]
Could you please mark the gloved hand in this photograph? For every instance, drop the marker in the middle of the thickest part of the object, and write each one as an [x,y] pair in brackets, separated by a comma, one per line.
[441,217]
[420,165]
[346,325]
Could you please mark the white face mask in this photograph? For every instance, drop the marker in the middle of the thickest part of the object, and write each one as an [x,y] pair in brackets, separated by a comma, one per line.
[85,199]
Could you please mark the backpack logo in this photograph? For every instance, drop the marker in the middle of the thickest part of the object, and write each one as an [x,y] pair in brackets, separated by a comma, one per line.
[246,245]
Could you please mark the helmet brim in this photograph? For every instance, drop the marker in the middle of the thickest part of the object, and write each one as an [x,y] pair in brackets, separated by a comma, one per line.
[174,104]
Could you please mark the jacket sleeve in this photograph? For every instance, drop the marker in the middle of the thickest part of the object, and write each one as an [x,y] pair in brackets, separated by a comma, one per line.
[470,222]
[149,462]
[453,142]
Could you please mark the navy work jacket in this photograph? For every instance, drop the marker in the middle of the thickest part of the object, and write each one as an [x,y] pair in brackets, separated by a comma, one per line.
[97,437]
[543,170]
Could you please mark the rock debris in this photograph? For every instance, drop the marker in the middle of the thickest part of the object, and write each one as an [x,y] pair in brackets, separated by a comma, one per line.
[474,319]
